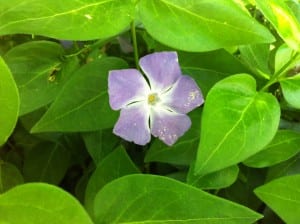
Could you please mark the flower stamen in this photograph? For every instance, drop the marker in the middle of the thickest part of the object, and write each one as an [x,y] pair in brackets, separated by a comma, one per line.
[152,98]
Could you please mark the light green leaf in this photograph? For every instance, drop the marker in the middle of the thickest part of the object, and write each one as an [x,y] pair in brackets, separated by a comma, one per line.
[10,176]
[39,72]
[237,122]
[46,162]
[198,25]
[82,105]
[216,180]
[115,165]
[285,145]
[41,204]
[9,101]
[282,196]
[142,198]
[183,151]
[291,90]
[283,20]
[74,20]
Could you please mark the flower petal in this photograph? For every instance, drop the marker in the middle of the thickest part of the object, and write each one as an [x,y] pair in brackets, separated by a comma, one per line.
[168,126]
[126,86]
[184,96]
[162,69]
[133,124]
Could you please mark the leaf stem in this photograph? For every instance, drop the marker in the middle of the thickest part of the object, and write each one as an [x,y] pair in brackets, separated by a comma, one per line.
[280,73]
[135,47]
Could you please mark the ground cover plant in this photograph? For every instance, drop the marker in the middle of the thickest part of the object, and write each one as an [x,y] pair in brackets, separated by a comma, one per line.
[149,111]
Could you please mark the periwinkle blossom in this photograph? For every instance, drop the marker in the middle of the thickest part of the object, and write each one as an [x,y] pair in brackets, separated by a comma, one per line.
[156,106]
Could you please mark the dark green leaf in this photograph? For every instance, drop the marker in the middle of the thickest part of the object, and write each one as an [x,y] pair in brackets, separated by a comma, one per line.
[41,204]
[83,103]
[46,162]
[39,72]
[115,165]
[75,20]
[237,122]
[282,196]
[9,99]
[198,25]
[285,145]
[142,198]
[10,176]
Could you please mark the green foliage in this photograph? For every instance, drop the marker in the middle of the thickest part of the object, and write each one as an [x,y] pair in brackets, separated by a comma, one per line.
[249,122]
[283,196]
[41,203]
[237,163]
[160,197]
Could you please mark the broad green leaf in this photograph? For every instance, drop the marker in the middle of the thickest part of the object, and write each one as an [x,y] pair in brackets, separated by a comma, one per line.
[295,7]
[237,122]
[285,145]
[41,203]
[39,72]
[46,162]
[183,151]
[9,101]
[283,197]
[286,168]
[144,198]
[74,20]
[256,56]
[198,25]
[115,165]
[291,90]
[216,180]
[10,176]
[100,143]
[209,67]
[286,60]
[82,105]
[283,20]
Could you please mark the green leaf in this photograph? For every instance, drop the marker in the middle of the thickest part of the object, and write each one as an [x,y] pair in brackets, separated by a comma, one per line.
[198,25]
[289,167]
[282,196]
[256,56]
[291,90]
[237,122]
[283,20]
[39,78]
[46,162]
[115,165]
[286,59]
[183,151]
[74,20]
[157,199]
[10,176]
[285,145]
[216,180]
[9,99]
[82,105]
[100,143]
[40,203]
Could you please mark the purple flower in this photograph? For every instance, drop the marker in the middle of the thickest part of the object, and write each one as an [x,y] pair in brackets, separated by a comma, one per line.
[156,107]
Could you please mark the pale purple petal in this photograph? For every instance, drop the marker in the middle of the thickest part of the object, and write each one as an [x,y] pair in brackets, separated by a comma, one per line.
[162,69]
[184,96]
[133,124]
[126,86]
[168,126]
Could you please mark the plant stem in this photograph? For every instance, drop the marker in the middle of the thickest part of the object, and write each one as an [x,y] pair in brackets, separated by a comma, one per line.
[280,73]
[135,48]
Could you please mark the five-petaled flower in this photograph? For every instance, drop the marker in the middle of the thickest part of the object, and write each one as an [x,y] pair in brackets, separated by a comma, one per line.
[156,107]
